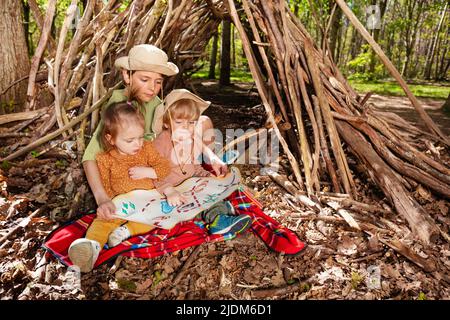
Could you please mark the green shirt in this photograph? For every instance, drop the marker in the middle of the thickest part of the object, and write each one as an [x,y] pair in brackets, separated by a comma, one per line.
[148,110]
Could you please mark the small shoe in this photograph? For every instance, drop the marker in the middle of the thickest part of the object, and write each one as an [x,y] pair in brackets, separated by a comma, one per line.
[83,253]
[232,225]
[230,208]
[118,235]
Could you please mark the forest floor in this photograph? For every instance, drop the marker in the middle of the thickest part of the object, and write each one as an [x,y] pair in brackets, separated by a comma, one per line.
[339,263]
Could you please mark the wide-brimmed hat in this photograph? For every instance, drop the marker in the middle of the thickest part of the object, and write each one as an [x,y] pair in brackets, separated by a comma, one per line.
[147,57]
[170,99]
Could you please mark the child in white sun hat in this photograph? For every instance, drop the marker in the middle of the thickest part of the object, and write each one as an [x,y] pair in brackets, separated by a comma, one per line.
[175,123]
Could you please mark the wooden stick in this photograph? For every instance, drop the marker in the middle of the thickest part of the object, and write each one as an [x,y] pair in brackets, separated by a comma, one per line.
[186,266]
[339,155]
[22,224]
[26,115]
[419,220]
[166,21]
[56,133]
[271,292]
[61,116]
[259,82]
[284,182]
[324,147]
[35,61]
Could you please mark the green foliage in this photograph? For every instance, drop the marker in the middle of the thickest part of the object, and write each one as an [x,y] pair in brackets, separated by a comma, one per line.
[291,281]
[60,164]
[157,278]
[127,285]
[305,287]
[360,64]
[6,165]
[422,296]
[7,107]
[356,280]
[34,154]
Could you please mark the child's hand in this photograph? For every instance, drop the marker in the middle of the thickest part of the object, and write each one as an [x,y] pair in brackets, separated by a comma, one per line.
[142,172]
[219,167]
[174,198]
[106,210]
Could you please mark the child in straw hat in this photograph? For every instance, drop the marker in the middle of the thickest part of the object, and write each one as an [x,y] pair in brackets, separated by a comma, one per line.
[143,71]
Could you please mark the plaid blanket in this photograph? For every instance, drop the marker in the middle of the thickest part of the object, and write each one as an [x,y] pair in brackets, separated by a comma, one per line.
[185,234]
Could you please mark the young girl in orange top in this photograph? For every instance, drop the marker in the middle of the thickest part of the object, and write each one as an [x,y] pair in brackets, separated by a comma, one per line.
[128,163]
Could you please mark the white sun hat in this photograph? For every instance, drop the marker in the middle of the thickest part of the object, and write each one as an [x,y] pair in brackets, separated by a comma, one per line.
[147,57]
[170,99]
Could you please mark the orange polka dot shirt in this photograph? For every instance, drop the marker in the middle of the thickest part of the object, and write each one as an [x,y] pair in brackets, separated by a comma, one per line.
[114,167]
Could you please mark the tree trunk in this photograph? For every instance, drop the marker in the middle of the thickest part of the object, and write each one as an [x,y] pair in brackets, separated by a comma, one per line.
[432,52]
[213,60]
[26,24]
[225,54]
[335,28]
[233,48]
[411,34]
[15,62]
[444,63]
[436,63]
[446,105]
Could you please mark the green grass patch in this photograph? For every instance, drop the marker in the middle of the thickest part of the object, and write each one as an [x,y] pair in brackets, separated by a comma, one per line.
[435,91]
[236,75]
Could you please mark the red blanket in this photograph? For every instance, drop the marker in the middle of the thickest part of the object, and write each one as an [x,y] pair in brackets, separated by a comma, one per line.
[185,234]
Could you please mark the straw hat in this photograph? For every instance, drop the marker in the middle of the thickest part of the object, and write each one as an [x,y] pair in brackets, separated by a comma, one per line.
[171,98]
[147,57]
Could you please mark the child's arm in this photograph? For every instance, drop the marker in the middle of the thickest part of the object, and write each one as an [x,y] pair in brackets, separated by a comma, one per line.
[106,207]
[219,167]
[158,166]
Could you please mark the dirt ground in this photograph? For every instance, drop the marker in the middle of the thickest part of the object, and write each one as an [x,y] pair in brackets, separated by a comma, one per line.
[402,106]
[339,263]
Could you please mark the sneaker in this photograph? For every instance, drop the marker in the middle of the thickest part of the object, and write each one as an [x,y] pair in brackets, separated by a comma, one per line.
[118,235]
[230,209]
[230,224]
[83,253]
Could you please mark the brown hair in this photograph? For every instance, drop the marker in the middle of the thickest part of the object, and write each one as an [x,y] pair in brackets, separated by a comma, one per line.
[181,109]
[115,115]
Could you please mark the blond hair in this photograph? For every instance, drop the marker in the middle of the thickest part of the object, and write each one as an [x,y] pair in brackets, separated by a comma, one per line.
[181,109]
